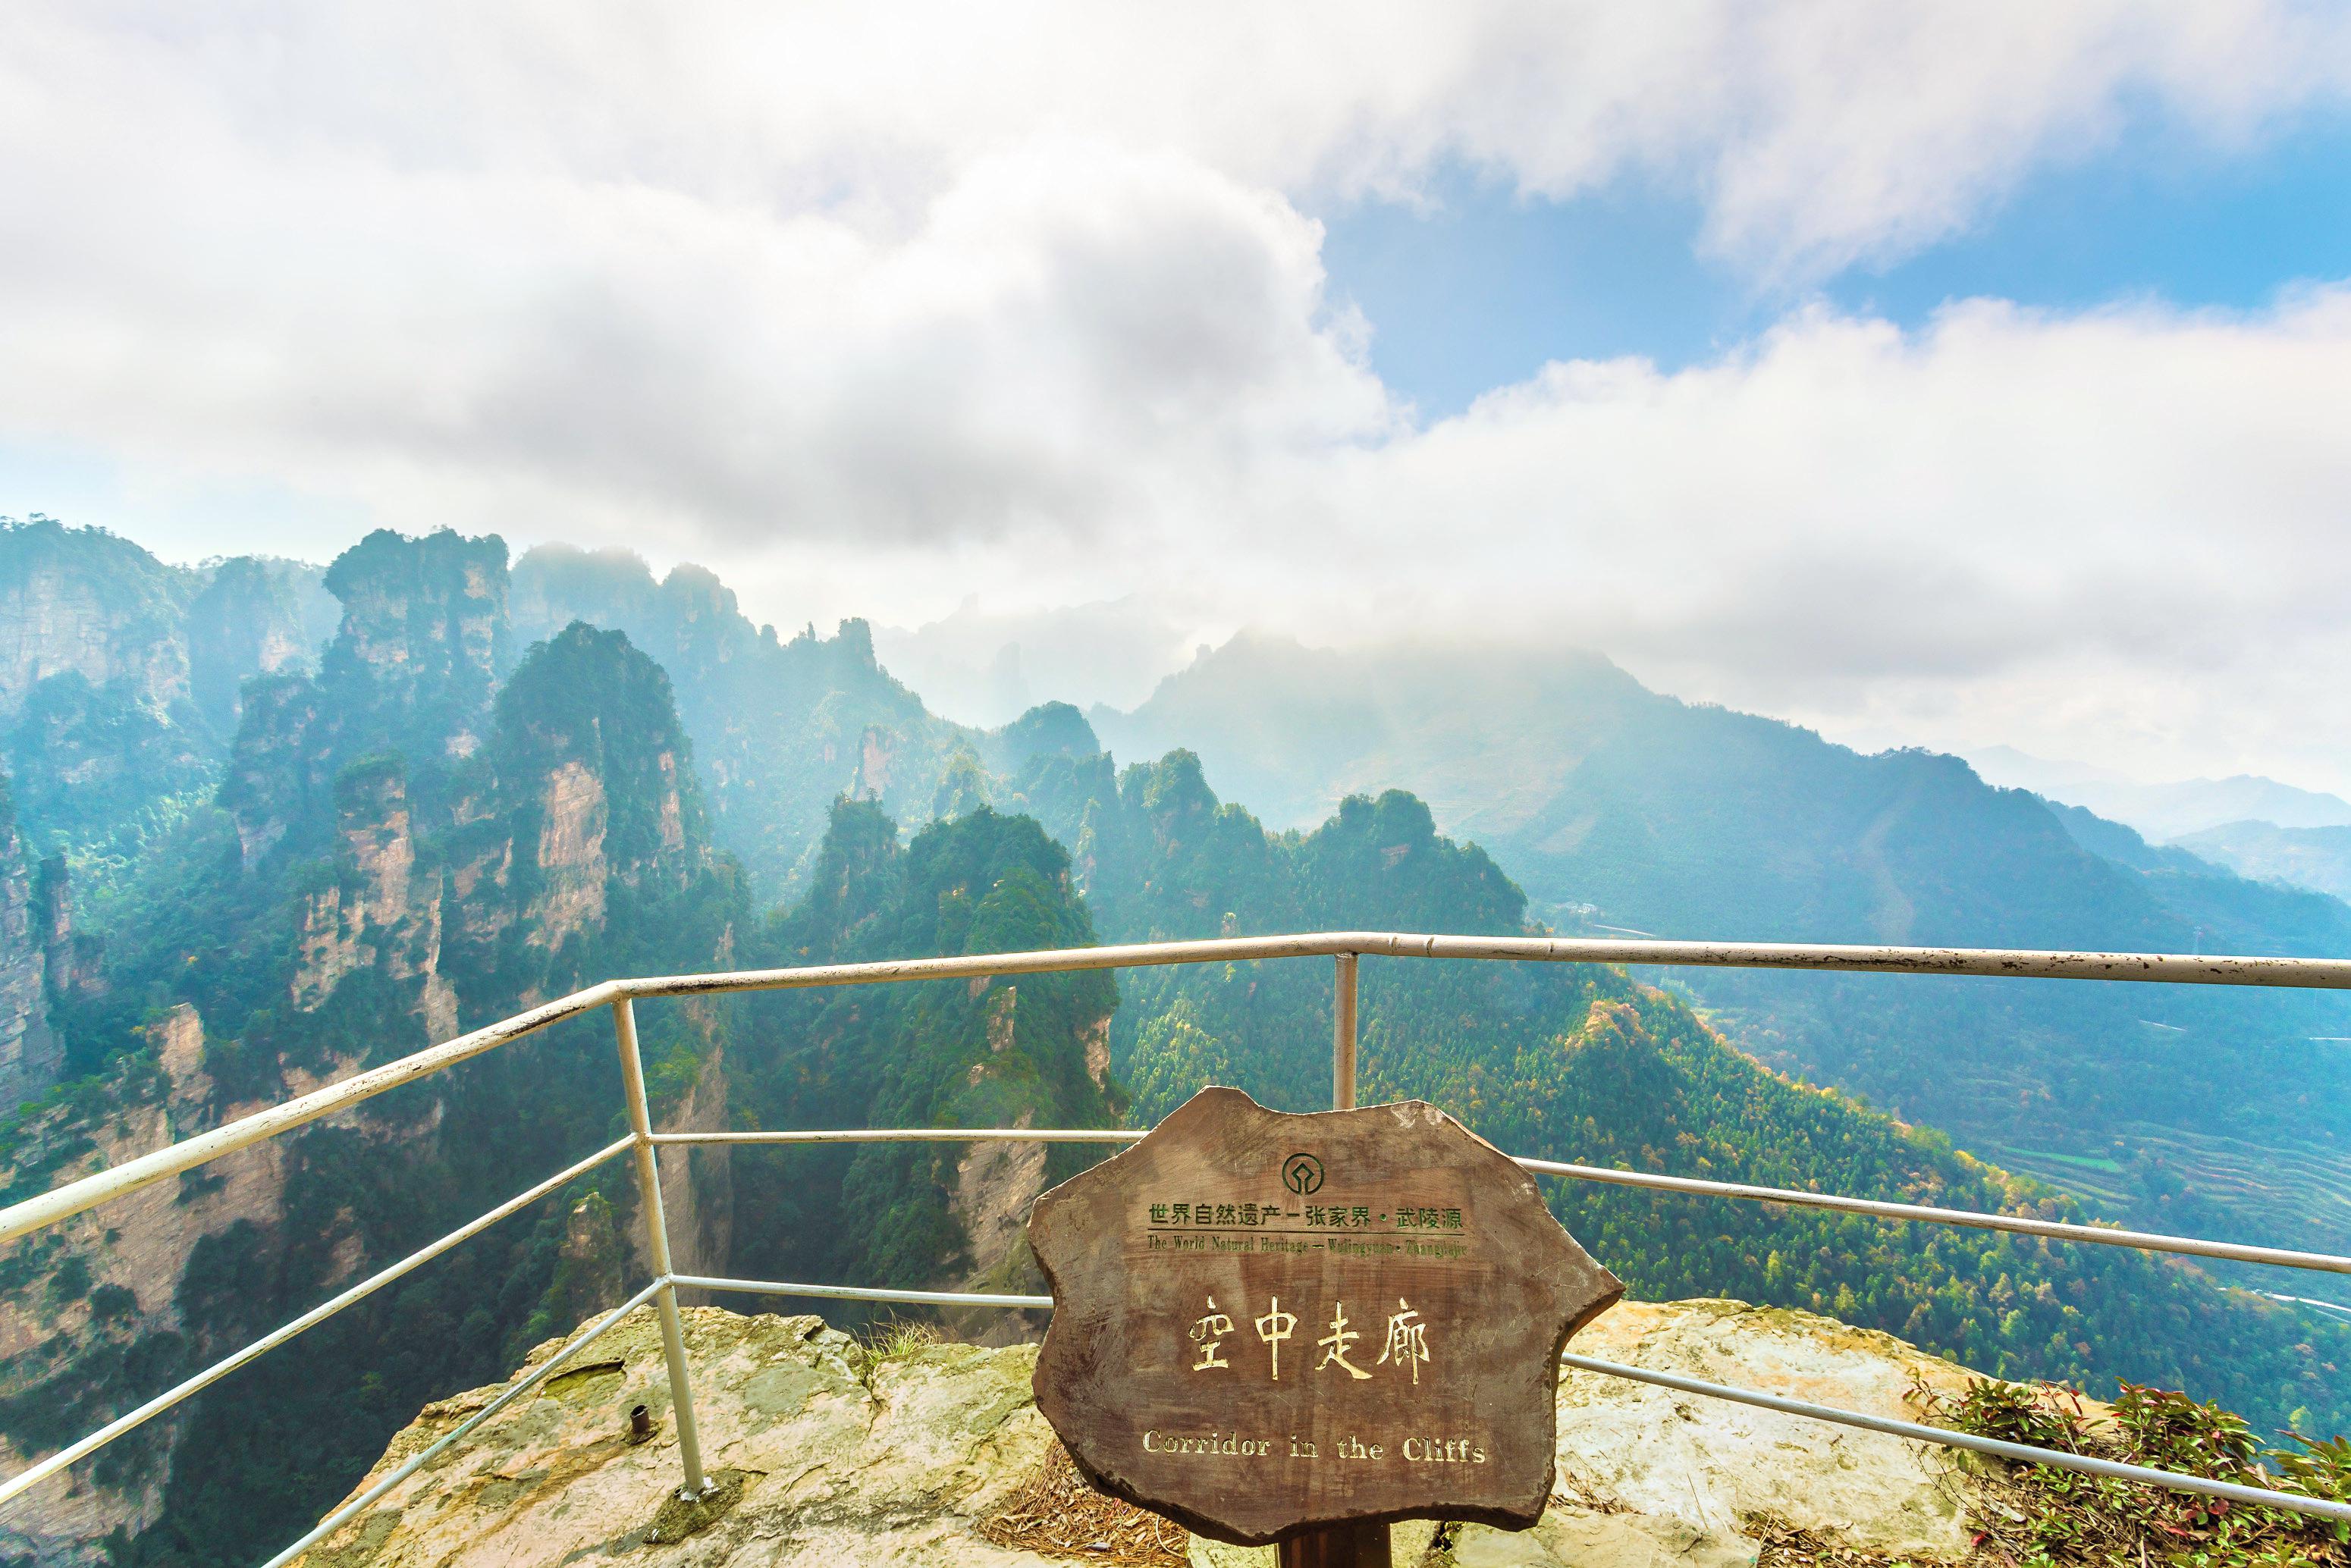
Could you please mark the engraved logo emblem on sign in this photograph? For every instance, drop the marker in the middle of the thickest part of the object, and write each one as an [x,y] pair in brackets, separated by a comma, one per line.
[1266,1323]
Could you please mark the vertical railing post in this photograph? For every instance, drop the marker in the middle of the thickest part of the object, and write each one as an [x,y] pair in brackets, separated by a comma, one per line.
[640,1123]
[1343,1034]
[1340,1545]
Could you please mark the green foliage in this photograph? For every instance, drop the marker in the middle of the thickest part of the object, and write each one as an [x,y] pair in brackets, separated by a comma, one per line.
[975,1054]
[1583,1064]
[113,1305]
[1619,808]
[70,1282]
[45,1412]
[2073,1518]
[323,771]
[99,767]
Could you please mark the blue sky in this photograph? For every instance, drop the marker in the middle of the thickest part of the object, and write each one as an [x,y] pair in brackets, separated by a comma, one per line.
[1476,288]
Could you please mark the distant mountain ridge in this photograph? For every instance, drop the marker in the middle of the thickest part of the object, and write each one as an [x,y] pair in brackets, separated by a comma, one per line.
[2164,810]
[119,673]
[2317,858]
[782,724]
[1619,808]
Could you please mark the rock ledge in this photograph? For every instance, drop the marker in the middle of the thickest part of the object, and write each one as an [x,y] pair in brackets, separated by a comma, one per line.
[834,1455]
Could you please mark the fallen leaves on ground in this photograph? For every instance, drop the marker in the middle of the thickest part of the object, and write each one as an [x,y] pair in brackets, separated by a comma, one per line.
[1058,1512]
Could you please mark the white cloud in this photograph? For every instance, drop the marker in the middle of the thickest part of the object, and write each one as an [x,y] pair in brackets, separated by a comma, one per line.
[878,308]
[2119,534]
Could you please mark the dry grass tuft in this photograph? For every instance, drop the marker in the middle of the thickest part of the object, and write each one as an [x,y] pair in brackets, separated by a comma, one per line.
[1788,1546]
[1057,1513]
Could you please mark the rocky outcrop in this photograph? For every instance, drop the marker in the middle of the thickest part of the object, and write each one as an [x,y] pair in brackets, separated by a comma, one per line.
[402,833]
[382,909]
[82,601]
[570,855]
[697,1182]
[995,1183]
[125,1259]
[828,1453]
[253,618]
[781,726]
[75,959]
[30,1053]
[588,748]
[120,676]
[423,619]
[282,765]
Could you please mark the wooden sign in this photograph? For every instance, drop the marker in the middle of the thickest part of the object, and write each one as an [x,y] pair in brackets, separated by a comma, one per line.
[1266,1323]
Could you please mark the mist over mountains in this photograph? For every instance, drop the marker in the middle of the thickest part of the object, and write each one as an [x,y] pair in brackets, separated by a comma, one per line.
[497,779]
[2164,810]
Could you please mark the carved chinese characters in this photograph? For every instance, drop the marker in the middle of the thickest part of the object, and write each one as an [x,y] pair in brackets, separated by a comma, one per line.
[1266,1323]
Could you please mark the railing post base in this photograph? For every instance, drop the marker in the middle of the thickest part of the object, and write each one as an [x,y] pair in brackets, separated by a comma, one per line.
[689,1442]
[681,1386]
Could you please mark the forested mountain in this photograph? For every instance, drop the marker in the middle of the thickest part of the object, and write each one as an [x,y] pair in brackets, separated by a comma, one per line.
[1027,1050]
[402,847]
[2318,859]
[119,677]
[1575,1063]
[465,810]
[1618,808]
[782,726]
[1586,1065]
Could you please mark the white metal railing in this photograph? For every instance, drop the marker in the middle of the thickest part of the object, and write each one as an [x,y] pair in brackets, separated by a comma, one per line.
[1345,948]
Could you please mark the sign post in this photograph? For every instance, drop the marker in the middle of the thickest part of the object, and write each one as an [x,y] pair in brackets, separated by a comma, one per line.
[1299,1328]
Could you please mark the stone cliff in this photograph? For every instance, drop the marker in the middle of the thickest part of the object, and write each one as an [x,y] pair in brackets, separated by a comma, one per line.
[119,676]
[30,1053]
[253,618]
[781,726]
[118,1312]
[834,1453]
[83,602]
[383,911]
[423,619]
[398,843]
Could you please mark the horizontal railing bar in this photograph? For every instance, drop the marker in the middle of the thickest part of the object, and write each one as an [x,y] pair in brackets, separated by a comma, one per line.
[857,1292]
[2015,963]
[418,1460]
[2020,1453]
[2059,1230]
[972,965]
[913,1136]
[2144,1240]
[74,1452]
[75,1197]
